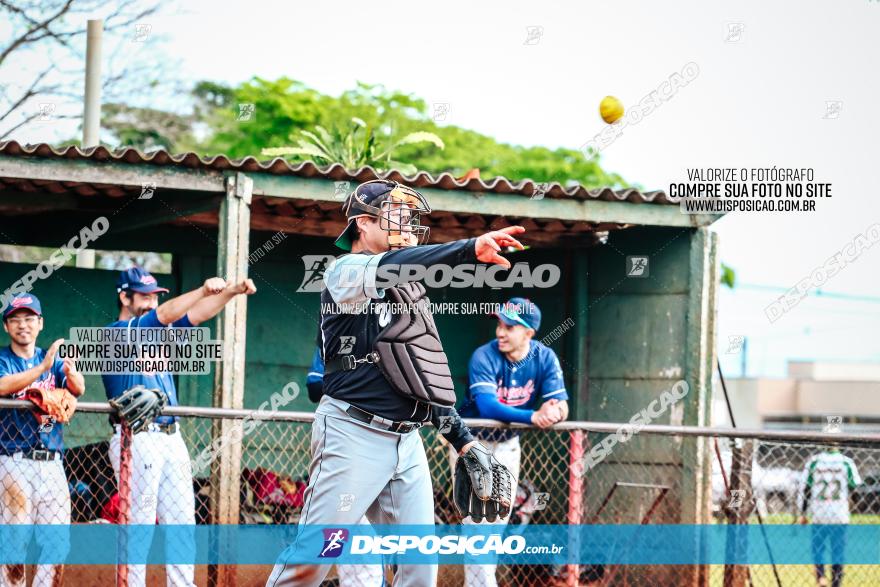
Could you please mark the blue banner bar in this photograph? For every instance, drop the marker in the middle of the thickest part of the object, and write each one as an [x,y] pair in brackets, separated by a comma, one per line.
[101,544]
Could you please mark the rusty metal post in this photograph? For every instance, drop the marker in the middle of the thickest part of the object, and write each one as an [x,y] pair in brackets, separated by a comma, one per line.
[737,510]
[575,501]
[124,504]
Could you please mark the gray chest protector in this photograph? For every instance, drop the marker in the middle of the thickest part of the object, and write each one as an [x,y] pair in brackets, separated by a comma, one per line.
[410,353]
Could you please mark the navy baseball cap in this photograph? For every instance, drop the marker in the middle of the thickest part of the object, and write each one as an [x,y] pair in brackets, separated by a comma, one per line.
[139,280]
[520,311]
[366,193]
[366,200]
[23,301]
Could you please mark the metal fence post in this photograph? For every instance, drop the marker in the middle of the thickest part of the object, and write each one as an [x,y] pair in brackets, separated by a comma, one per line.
[575,501]
[737,510]
[232,264]
[124,503]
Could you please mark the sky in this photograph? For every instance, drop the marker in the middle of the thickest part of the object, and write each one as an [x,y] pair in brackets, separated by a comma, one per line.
[533,73]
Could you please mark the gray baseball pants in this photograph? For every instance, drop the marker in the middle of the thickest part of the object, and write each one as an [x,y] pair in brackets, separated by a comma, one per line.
[359,469]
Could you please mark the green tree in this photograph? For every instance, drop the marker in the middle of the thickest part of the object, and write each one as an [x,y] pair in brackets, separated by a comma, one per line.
[146,128]
[280,110]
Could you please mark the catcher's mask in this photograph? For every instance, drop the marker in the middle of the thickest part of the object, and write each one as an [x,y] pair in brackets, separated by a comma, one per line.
[399,209]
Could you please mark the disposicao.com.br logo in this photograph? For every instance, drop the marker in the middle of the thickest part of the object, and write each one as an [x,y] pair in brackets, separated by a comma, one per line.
[334,541]
[433,544]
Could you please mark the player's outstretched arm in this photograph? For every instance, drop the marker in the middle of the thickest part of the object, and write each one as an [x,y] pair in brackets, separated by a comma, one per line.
[210,306]
[176,308]
[484,249]
[488,246]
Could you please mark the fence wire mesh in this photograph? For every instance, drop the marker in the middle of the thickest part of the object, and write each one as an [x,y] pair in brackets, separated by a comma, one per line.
[651,479]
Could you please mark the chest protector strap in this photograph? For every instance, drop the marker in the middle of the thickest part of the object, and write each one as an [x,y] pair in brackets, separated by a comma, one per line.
[410,353]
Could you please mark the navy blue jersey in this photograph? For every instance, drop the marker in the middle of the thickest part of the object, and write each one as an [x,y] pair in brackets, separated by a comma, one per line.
[19,429]
[354,311]
[517,385]
[116,385]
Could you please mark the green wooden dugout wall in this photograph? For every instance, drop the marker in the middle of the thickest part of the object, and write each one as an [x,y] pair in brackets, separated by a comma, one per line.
[631,338]
[282,323]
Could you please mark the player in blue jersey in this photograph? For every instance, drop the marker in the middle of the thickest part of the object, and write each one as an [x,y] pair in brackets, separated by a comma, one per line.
[33,487]
[508,377]
[161,475]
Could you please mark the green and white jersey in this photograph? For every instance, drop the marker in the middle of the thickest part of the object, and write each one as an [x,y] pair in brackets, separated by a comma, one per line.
[824,488]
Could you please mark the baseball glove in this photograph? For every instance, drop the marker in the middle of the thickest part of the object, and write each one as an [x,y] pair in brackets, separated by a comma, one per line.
[483,487]
[57,403]
[139,406]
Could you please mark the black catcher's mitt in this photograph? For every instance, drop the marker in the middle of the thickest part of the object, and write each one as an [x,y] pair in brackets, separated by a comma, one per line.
[483,487]
[139,406]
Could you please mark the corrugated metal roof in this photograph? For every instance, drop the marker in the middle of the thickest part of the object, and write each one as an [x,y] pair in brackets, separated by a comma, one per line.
[279,166]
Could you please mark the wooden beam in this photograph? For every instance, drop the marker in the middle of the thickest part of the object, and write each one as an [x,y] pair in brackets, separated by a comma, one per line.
[490,203]
[232,255]
[113,173]
[696,473]
[738,507]
[323,190]
[579,313]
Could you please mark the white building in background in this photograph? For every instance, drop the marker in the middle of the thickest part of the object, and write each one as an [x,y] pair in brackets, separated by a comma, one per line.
[812,395]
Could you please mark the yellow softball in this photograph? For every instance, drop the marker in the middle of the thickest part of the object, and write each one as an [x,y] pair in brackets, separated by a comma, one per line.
[610,109]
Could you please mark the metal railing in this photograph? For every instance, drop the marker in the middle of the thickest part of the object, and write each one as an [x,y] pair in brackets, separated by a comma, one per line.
[662,475]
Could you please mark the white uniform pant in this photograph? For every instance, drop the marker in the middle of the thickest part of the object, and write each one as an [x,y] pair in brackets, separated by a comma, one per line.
[385,476]
[361,575]
[508,454]
[33,492]
[161,486]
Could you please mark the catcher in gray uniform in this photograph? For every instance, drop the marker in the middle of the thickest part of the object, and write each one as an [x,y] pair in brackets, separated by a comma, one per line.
[386,375]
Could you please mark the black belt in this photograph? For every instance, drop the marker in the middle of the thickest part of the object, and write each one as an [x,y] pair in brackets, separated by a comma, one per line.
[156,427]
[37,454]
[366,417]
[349,362]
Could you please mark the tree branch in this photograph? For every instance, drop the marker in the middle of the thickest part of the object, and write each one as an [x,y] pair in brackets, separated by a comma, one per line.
[29,93]
[27,37]
[26,120]
[35,30]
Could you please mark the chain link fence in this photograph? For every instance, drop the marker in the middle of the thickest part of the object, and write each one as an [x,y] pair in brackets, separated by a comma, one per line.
[662,475]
